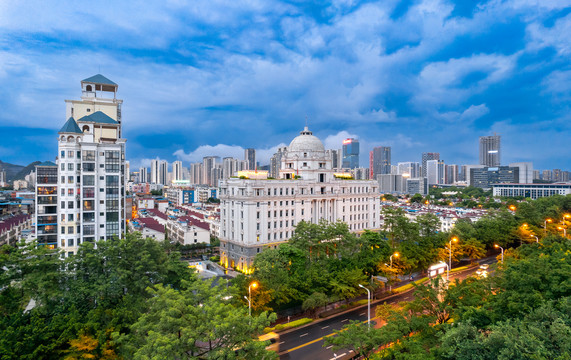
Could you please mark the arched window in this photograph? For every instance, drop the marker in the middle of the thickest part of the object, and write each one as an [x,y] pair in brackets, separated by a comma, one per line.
[70,138]
[88,88]
[85,128]
[62,138]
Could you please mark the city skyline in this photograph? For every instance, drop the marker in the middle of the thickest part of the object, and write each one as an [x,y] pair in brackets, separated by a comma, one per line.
[206,80]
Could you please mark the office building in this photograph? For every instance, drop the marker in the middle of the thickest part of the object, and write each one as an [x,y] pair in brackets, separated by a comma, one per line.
[208,164]
[490,150]
[379,161]
[350,153]
[532,191]
[435,172]
[487,176]
[525,171]
[250,157]
[417,186]
[90,171]
[452,174]
[426,157]
[257,213]
[409,169]
[392,184]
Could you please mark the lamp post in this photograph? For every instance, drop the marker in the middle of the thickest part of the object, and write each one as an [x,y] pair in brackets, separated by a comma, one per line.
[450,254]
[368,306]
[545,224]
[249,298]
[391,266]
[536,238]
[564,230]
[498,246]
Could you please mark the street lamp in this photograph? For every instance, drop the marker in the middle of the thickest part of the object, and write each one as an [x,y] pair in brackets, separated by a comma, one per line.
[564,230]
[391,267]
[368,306]
[512,208]
[536,238]
[391,258]
[254,285]
[545,224]
[450,253]
[498,246]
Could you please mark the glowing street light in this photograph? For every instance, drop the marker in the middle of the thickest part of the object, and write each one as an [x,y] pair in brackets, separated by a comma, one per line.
[564,230]
[536,238]
[391,258]
[548,220]
[455,239]
[512,207]
[498,246]
[253,285]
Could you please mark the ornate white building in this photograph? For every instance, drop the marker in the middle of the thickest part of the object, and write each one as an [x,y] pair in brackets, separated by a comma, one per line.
[90,168]
[261,213]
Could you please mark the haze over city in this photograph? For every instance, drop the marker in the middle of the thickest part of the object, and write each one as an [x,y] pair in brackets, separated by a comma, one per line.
[214,77]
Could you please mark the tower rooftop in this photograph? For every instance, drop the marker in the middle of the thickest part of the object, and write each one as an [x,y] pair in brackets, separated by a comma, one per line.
[99,79]
[70,126]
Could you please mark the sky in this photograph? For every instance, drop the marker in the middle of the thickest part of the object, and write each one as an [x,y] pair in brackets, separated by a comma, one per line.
[214,77]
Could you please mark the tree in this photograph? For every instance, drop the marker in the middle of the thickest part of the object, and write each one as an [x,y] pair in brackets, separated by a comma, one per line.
[473,249]
[346,283]
[357,337]
[314,302]
[195,323]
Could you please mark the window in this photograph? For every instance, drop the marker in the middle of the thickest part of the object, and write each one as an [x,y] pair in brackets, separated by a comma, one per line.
[70,243]
[70,154]
[62,167]
[62,154]
[70,179]
[70,204]
[63,205]
[69,192]
[70,229]
[70,167]
[63,229]
[88,180]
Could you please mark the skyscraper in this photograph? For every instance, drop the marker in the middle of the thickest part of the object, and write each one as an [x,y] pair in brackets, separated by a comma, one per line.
[208,163]
[163,172]
[155,171]
[196,173]
[490,150]
[250,157]
[350,153]
[426,157]
[143,178]
[91,156]
[380,161]
[177,170]
[435,172]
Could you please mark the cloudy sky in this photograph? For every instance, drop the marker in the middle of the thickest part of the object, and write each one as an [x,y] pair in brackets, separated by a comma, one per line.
[213,77]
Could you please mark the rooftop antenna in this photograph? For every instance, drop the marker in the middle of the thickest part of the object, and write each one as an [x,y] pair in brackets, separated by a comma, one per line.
[99,69]
[305,120]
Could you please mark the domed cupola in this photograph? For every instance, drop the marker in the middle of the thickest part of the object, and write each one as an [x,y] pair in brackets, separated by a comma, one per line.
[306,142]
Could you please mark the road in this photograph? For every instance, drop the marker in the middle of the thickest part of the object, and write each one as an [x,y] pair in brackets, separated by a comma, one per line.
[307,342]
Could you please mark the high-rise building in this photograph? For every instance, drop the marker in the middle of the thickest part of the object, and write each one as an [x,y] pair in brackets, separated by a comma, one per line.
[143,176]
[379,161]
[250,157]
[163,172]
[90,170]
[451,174]
[275,163]
[487,176]
[490,150]
[177,170]
[196,173]
[208,163]
[525,172]
[409,169]
[350,153]
[257,213]
[47,204]
[155,171]
[435,172]
[426,157]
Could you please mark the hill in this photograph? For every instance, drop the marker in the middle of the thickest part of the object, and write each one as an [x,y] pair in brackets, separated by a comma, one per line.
[17,172]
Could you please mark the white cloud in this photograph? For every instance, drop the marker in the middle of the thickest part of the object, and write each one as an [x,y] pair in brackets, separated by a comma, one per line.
[262,155]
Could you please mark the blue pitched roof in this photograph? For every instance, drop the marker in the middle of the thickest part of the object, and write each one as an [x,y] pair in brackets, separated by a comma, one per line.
[99,79]
[98,117]
[70,126]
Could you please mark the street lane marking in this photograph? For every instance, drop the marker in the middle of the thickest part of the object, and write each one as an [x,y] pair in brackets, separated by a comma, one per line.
[329,347]
[342,355]
[344,320]
[302,335]
[362,314]
[325,327]
[282,342]
[316,340]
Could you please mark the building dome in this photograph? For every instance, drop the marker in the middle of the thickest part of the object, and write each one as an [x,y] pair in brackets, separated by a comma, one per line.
[306,142]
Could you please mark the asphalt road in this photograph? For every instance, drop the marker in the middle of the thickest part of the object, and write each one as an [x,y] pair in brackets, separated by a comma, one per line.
[307,342]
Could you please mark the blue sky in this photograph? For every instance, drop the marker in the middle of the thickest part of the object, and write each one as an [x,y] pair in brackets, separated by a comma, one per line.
[213,77]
